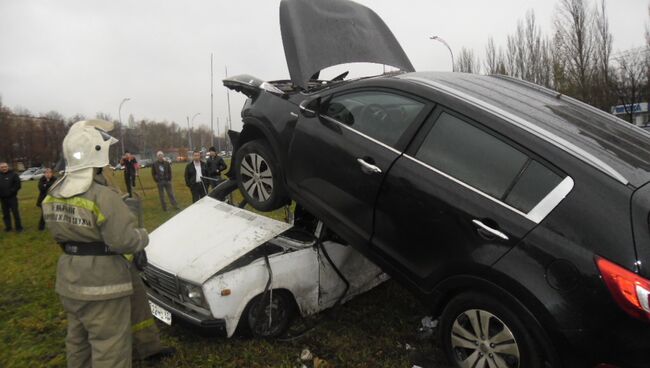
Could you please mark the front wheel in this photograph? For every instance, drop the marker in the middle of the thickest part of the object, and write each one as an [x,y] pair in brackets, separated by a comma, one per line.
[268,316]
[259,177]
[479,331]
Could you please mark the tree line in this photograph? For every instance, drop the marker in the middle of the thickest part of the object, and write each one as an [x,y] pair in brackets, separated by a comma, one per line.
[36,140]
[575,59]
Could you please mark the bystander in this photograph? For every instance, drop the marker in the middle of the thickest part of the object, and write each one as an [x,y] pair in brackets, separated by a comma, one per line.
[9,187]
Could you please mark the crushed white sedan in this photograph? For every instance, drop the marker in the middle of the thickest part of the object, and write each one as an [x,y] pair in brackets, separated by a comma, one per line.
[221,267]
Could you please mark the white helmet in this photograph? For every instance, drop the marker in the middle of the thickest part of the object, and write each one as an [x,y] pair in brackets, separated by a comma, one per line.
[85,148]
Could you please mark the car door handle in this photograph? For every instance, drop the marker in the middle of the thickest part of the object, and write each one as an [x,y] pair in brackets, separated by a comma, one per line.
[368,168]
[490,230]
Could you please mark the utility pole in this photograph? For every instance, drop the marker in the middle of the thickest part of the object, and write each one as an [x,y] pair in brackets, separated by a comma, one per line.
[229,122]
[218,137]
[212,104]
[189,134]
[439,39]
[119,115]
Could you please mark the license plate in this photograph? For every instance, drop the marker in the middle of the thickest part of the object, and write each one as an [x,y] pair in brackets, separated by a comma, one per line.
[160,313]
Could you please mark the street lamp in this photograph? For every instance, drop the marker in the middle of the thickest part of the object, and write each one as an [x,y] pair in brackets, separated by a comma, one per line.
[189,130]
[448,48]
[119,114]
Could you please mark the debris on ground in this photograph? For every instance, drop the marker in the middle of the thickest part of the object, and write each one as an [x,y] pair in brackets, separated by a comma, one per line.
[306,355]
[427,325]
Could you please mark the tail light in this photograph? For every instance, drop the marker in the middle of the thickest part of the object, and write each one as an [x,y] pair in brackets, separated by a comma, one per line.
[630,291]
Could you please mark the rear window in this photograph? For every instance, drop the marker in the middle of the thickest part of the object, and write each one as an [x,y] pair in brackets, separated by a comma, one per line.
[486,163]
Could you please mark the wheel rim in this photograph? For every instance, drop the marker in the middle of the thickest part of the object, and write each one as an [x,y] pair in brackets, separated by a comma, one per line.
[481,340]
[267,321]
[257,177]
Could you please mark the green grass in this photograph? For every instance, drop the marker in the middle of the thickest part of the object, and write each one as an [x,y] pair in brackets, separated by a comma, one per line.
[369,331]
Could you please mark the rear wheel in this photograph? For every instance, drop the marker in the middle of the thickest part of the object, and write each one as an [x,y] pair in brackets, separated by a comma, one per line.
[479,331]
[259,177]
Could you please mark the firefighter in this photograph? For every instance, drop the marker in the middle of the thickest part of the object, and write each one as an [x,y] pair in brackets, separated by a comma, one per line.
[94,228]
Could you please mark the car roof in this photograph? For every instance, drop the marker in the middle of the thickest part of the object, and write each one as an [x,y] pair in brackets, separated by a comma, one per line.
[608,143]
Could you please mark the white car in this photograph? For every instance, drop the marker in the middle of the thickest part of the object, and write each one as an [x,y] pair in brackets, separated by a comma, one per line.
[218,266]
[33,173]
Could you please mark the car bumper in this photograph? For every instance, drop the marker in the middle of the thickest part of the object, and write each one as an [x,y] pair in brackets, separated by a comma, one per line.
[180,312]
[626,345]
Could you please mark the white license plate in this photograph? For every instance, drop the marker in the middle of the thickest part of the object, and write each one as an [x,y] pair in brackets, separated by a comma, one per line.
[160,313]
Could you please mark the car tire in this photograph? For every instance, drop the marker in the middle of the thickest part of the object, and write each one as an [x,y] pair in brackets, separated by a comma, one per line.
[259,177]
[508,342]
[255,319]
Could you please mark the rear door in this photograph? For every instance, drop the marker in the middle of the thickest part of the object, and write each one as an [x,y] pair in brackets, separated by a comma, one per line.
[459,198]
[338,159]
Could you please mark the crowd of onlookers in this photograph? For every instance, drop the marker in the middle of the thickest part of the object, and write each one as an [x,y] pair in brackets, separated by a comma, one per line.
[199,177]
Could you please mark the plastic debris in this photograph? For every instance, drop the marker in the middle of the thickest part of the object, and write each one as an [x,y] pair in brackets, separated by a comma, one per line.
[427,325]
[306,355]
[428,322]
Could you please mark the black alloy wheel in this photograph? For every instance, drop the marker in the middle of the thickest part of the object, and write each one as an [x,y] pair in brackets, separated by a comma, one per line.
[258,176]
[478,331]
[268,316]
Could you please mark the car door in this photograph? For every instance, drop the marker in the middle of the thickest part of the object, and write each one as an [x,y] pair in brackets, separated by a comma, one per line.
[460,198]
[338,158]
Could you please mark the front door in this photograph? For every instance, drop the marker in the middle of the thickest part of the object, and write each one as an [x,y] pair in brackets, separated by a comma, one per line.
[338,159]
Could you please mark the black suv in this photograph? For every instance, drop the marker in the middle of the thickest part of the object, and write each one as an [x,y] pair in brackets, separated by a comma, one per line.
[518,214]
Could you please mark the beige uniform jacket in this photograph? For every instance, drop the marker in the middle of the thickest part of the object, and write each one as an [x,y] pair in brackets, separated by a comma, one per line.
[98,215]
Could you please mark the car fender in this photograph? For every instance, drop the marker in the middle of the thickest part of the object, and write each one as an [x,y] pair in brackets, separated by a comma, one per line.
[254,128]
[250,281]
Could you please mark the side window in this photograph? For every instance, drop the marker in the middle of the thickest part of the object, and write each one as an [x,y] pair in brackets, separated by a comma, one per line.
[380,115]
[486,163]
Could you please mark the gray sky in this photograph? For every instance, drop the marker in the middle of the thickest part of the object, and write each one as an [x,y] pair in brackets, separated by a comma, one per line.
[80,56]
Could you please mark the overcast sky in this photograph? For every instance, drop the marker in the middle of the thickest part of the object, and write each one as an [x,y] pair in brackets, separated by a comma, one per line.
[81,56]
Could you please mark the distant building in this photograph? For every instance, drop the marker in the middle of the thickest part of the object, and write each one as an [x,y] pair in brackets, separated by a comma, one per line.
[640,113]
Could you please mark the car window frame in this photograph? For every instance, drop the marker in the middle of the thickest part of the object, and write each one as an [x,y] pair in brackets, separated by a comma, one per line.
[540,210]
[409,133]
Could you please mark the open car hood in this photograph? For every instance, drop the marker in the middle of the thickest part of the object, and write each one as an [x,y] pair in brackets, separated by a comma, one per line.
[206,237]
[319,34]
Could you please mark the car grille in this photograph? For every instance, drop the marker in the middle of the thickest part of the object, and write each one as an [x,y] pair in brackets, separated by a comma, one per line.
[161,281]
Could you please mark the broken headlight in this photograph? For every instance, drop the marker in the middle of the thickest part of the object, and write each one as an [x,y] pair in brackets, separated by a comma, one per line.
[193,294]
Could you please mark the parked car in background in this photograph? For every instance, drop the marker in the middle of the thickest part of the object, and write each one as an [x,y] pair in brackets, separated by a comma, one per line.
[33,173]
[145,162]
[518,214]
[221,267]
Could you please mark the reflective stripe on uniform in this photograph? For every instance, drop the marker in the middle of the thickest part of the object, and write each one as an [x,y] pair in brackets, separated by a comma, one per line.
[78,202]
[100,290]
[142,325]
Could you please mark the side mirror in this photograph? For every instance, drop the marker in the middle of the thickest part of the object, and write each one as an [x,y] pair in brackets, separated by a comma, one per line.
[310,108]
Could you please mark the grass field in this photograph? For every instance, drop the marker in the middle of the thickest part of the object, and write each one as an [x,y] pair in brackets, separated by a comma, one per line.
[372,330]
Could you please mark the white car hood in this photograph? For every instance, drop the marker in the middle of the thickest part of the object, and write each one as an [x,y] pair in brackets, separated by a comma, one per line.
[206,237]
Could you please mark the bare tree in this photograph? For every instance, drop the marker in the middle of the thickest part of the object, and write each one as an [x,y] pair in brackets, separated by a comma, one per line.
[630,79]
[574,39]
[603,46]
[467,62]
[491,63]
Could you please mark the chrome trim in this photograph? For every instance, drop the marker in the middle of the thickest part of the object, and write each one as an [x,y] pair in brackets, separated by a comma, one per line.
[368,168]
[536,215]
[490,230]
[527,126]
[552,199]
[361,134]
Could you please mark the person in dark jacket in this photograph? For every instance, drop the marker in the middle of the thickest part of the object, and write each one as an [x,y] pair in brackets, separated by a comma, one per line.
[215,166]
[9,187]
[44,185]
[161,171]
[130,166]
[194,172]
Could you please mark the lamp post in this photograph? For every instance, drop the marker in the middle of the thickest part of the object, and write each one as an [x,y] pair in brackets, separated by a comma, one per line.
[437,38]
[119,115]
[189,129]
